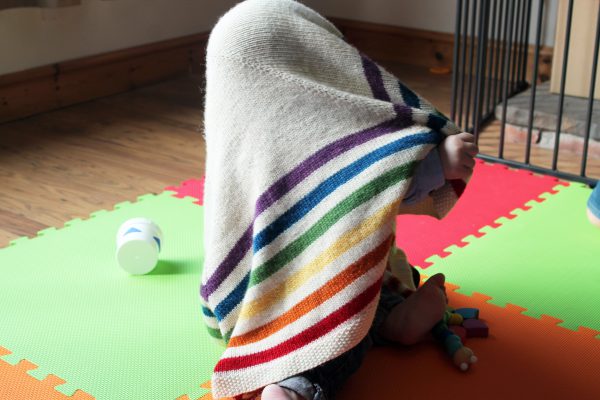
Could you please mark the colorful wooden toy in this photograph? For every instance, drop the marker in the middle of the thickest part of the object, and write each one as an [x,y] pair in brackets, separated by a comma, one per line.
[468,313]
[455,319]
[475,328]
[459,331]
[461,356]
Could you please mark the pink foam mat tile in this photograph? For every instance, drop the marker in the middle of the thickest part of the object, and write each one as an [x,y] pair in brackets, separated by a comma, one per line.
[190,188]
[493,192]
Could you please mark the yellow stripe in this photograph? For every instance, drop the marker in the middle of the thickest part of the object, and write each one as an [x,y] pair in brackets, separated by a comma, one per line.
[343,244]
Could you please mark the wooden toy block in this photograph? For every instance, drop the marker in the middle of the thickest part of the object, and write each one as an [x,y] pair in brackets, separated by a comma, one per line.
[475,328]
[468,313]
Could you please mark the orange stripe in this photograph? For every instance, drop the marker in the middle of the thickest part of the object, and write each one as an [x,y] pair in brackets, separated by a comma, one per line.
[328,290]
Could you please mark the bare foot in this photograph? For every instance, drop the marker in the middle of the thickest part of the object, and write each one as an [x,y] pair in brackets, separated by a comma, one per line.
[276,392]
[408,322]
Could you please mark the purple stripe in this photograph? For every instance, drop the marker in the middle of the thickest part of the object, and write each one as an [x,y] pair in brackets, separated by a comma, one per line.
[286,183]
[293,178]
[374,78]
[304,169]
[233,258]
[404,114]
[323,156]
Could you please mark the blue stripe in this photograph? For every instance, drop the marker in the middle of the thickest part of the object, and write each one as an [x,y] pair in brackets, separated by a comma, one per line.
[312,199]
[436,122]
[409,97]
[233,299]
[237,295]
[131,230]
[207,312]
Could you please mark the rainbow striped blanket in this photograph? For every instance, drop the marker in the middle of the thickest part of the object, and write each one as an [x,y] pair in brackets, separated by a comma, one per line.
[310,149]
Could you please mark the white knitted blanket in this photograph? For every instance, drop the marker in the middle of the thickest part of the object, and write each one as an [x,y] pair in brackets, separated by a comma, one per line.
[310,149]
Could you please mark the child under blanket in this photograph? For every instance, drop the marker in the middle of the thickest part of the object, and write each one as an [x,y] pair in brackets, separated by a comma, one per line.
[312,151]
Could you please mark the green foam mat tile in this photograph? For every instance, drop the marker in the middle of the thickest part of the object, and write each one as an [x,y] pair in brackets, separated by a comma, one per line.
[66,306]
[546,259]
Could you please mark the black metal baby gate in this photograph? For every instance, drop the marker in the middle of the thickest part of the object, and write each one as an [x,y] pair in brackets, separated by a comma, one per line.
[491,49]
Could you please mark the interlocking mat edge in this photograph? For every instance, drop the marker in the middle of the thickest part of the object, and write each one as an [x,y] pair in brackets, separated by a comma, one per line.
[85,320]
[568,350]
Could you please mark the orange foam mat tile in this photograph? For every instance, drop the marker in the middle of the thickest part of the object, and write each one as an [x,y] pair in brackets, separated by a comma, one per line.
[523,358]
[17,384]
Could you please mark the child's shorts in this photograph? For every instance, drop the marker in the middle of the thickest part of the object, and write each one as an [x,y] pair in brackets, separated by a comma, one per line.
[323,381]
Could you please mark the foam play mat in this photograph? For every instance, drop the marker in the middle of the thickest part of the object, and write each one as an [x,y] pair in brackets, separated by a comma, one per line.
[518,247]
[493,192]
[67,307]
[546,260]
[523,358]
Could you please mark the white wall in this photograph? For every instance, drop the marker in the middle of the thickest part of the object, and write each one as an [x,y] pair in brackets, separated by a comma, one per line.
[31,37]
[432,15]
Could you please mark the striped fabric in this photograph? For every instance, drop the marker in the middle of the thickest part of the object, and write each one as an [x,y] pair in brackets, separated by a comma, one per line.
[311,147]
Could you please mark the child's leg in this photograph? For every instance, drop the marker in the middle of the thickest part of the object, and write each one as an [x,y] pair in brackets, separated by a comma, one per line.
[416,275]
[410,320]
[322,382]
[398,320]
[302,390]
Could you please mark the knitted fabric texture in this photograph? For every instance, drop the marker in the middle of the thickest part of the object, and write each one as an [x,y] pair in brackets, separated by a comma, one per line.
[310,149]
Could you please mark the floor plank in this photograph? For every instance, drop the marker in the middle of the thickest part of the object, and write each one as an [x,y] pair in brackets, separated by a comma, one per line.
[67,163]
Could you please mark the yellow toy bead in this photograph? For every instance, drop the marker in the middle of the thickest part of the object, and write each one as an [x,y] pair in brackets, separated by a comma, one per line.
[455,319]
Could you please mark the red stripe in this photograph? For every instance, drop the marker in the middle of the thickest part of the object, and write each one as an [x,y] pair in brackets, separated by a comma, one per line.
[335,285]
[321,328]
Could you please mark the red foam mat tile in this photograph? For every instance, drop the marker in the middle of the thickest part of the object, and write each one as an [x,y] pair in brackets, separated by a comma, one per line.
[190,188]
[493,192]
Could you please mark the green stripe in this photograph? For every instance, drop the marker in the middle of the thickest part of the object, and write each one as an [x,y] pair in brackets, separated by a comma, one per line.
[357,198]
[214,332]
[228,336]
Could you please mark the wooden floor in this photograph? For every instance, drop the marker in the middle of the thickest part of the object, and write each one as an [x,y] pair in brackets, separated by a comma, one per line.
[567,161]
[68,163]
